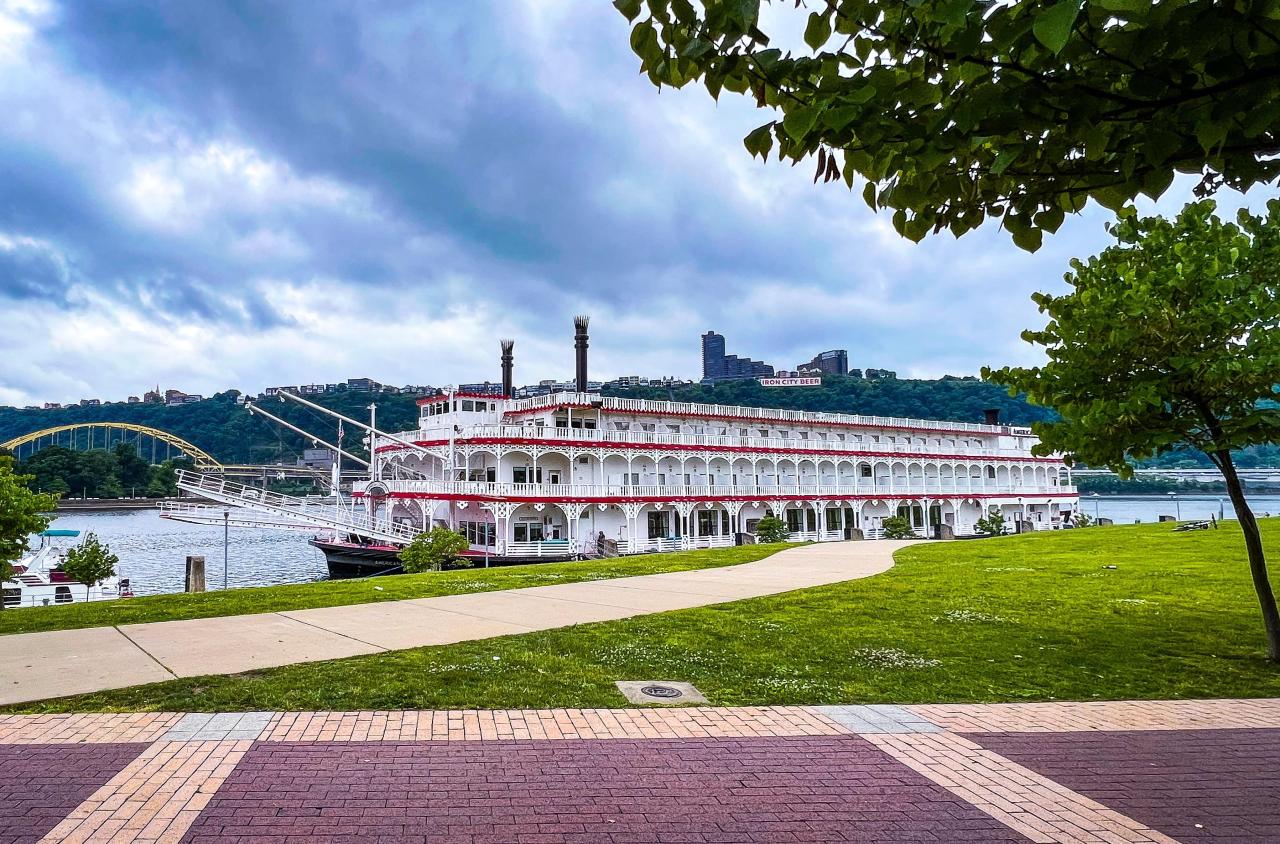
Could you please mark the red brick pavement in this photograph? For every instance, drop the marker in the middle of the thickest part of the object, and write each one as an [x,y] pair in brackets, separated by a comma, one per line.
[1149,772]
[41,784]
[803,789]
[1194,785]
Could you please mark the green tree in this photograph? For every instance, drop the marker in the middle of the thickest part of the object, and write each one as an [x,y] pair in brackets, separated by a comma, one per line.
[90,563]
[991,524]
[959,110]
[771,529]
[21,514]
[132,472]
[898,527]
[431,551]
[1169,336]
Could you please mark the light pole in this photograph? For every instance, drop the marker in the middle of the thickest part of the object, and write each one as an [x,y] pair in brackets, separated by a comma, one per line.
[226,537]
[1095,507]
[1173,496]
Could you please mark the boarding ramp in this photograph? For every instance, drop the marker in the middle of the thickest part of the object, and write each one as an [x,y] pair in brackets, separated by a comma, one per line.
[296,511]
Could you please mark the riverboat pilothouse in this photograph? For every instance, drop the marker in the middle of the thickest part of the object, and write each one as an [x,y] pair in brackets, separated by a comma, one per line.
[579,474]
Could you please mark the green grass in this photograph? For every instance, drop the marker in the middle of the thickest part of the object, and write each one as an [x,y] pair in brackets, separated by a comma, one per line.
[333,593]
[1037,617]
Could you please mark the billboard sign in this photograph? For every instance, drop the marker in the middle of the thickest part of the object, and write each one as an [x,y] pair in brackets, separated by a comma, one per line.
[807,381]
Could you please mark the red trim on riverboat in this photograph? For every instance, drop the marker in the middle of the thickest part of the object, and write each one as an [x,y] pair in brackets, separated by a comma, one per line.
[755,419]
[716,448]
[1038,498]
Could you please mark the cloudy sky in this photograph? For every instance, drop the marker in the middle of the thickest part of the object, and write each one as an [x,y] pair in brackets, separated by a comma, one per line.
[238,194]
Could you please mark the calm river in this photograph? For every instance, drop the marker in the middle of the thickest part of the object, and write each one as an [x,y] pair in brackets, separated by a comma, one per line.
[152,550]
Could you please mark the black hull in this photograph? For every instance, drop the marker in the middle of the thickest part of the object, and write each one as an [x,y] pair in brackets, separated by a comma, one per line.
[349,560]
[346,560]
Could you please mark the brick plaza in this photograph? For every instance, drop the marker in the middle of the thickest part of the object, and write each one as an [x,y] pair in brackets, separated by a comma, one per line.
[1193,771]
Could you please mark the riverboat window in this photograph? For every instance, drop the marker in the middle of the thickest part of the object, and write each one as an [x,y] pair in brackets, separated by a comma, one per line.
[822,435]
[673,429]
[991,471]
[764,432]
[782,435]
[528,531]
[12,597]
[648,426]
[468,405]
[743,432]
[659,525]
[525,475]
[489,474]
[62,594]
[622,426]
[804,435]
[478,533]
[864,471]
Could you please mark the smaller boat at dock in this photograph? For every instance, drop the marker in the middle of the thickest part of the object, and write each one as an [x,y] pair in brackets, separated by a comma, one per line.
[39,581]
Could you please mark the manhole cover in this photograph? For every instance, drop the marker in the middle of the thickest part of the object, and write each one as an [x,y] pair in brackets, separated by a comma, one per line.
[661,691]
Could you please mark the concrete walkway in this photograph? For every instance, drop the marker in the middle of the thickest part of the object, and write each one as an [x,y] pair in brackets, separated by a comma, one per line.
[35,666]
[1121,772]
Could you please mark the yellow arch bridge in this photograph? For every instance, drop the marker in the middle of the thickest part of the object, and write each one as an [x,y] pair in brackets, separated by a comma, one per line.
[89,435]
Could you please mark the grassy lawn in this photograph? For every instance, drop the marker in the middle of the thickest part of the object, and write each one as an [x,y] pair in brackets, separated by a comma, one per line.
[1036,617]
[332,593]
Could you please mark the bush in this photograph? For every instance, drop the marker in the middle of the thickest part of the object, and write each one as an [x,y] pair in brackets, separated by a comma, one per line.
[898,527]
[1081,520]
[771,529]
[433,551]
[992,525]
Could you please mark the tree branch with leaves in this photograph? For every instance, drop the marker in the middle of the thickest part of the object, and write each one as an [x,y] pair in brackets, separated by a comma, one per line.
[957,111]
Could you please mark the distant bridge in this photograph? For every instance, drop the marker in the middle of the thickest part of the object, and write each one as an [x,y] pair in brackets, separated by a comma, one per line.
[90,435]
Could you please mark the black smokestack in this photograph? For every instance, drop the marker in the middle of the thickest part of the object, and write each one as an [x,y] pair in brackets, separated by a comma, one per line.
[992,415]
[580,348]
[507,359]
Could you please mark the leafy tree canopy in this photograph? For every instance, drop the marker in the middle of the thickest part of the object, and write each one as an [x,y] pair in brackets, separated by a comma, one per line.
[771,529]
[959,110]
[90,562]
[431,551]
[1170,336]
[21,514]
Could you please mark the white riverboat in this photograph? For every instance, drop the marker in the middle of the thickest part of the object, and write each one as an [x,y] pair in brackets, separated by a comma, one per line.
[577,473]
[38,578]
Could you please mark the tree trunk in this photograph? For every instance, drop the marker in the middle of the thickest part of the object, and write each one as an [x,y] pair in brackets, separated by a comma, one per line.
[1257,560]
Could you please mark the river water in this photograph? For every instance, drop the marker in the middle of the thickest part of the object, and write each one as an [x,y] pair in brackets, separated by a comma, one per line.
[153,550]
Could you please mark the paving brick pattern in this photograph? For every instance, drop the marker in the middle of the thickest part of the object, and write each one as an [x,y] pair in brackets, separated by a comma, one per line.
[1103,715]
[802,789]
[75,729]
[1016,796]
[154,799]
[1205,785]
[1115,772]
[493,725]
[41,784]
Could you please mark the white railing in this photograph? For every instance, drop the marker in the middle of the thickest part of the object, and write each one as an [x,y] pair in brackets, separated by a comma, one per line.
[219,489]
[744,490]
[724,411]
[598,437]
[545,548]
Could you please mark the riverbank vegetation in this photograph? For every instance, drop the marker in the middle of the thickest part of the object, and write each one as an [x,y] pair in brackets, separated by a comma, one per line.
[99,473]
[1132,612]
[333,593]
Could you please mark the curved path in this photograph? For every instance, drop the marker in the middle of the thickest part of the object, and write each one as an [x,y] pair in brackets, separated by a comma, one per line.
[35,666]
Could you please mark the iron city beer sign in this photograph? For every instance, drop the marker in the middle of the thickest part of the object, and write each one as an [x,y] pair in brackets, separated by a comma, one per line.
[791,382]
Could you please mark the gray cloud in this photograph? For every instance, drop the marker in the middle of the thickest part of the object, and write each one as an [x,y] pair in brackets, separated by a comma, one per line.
[249,167]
